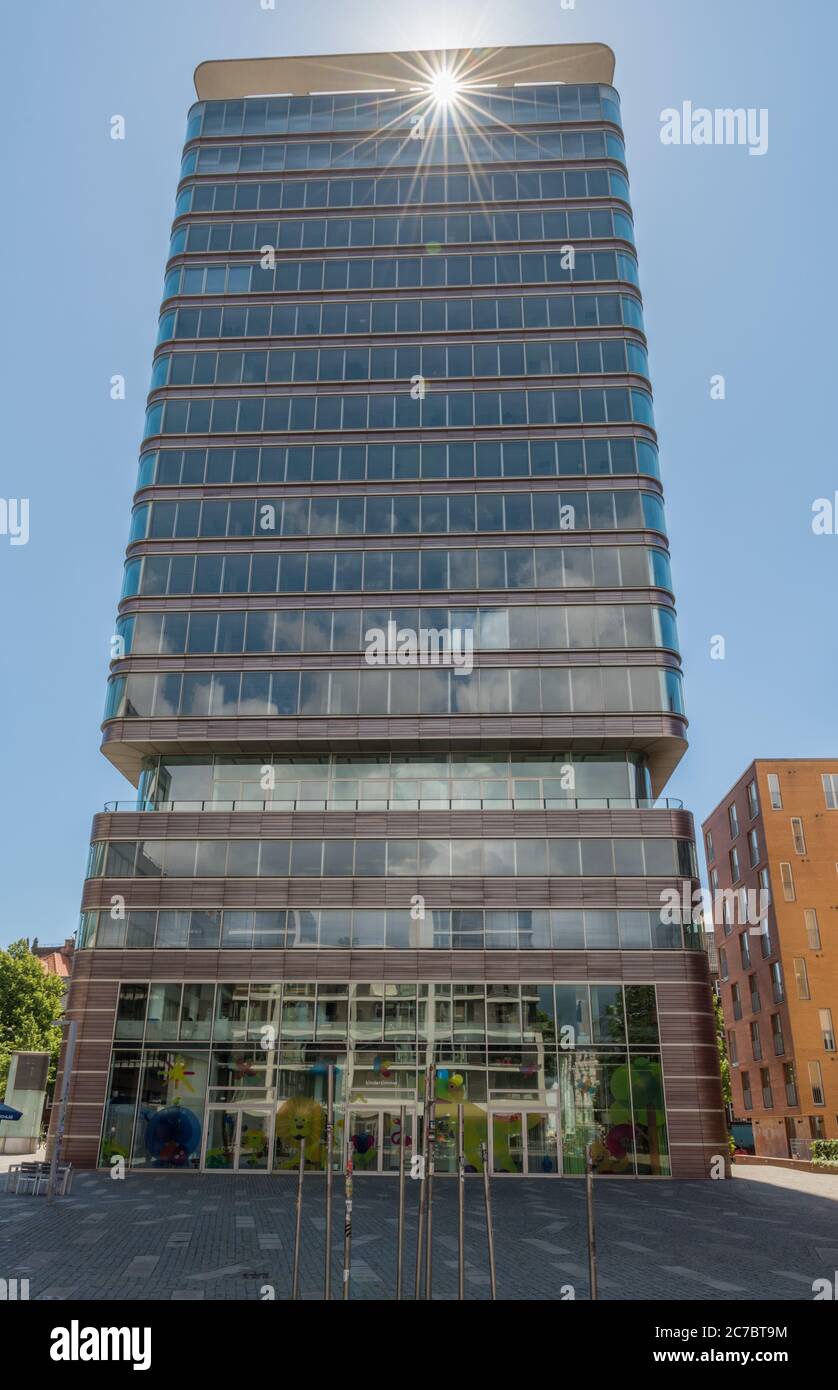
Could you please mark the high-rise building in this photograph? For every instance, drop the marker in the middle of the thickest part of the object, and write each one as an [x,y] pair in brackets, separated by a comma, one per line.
[772,857]
[400,685]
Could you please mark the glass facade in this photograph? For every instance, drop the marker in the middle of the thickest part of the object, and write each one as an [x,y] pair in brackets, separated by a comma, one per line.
[441,929]
[390,781]
[222,1075]
[400,391]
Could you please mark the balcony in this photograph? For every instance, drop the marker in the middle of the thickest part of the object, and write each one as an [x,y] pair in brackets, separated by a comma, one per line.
[667,803]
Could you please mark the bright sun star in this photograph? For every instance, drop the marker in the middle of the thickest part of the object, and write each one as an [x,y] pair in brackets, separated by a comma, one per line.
[444,86]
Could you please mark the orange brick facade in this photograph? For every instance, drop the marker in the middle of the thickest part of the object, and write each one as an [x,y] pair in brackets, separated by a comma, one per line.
[779,990]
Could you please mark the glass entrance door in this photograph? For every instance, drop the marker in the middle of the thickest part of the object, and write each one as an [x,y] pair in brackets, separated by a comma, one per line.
[541,1138]
[376,1138]
[222,1129]
[525,1142]
[238,1139]
[394,1139]
[253,1153]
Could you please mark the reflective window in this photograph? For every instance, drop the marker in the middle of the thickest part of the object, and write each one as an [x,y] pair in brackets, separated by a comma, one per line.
[403,514]
[404,317]
[520,105]
[534,358]
[402,462]
[309,232]
[345,928]
[347,571]
[449,689]
[460,146]
[549,627]
[372,858]
[394,190]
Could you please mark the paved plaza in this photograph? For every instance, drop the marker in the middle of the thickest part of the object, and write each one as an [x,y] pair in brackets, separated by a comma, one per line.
[761,1235]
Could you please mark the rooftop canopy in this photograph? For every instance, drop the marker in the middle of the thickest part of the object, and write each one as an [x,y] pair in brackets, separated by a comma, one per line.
[358,72]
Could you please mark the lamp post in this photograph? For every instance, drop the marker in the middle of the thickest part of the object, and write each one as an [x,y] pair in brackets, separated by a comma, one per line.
[71,1026]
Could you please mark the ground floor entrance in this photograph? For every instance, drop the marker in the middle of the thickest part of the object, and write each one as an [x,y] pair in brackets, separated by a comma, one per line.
[237,1106]
[377,1137]
[267,1138]
[239,1139]
[525,1141]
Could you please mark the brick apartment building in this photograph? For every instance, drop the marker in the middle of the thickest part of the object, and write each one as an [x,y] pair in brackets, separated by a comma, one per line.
[776,833]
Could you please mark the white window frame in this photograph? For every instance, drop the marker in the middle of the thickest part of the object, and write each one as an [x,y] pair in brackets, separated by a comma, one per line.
[816,1083]
[787,879]
[813,930]
[753,799]
[801,978]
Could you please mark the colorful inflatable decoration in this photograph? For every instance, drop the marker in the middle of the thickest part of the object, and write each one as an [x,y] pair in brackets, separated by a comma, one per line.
[296,1119]
[644,1090]
[176,1074]
[244,1067]
[396,1136]
[475,1131]
[173,1136]
[450,1085]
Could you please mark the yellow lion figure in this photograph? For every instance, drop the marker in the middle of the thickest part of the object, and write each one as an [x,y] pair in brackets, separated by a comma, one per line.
[296,1119]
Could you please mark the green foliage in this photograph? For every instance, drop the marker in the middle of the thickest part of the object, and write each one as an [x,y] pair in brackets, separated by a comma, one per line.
[110,1149]
[29,1002]
[825,1153]
[724,1064]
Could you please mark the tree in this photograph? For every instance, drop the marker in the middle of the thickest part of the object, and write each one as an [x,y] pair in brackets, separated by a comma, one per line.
[724,1064]
[30,1001]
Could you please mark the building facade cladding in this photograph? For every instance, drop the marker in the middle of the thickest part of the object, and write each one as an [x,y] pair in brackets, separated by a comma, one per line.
[774,833]
[336,858]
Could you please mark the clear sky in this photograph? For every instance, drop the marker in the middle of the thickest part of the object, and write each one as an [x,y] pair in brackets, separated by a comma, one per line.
[730,249]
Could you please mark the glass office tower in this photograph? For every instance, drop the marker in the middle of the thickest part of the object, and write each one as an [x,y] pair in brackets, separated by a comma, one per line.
[398,683]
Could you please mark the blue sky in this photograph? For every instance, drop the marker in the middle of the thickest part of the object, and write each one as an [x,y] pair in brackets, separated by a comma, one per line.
[734,281]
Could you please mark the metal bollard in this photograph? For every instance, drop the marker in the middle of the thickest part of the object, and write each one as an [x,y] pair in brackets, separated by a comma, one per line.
[461,1206]
[400,1244]
[490,1235]
[298,1224]
[431,1156]
[422,1161]
[589,1201]
[330,1129]
[347,1222]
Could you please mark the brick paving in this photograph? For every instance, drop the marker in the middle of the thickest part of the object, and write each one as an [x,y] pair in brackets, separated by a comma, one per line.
[219,1236]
